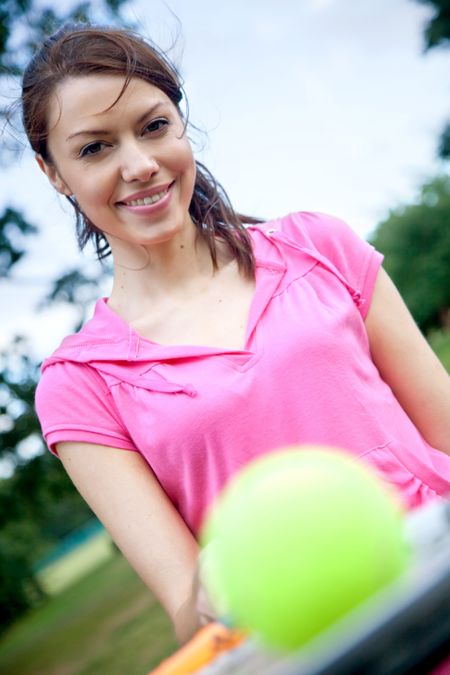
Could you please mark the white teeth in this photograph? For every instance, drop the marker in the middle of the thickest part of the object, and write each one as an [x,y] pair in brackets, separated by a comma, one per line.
[148,200]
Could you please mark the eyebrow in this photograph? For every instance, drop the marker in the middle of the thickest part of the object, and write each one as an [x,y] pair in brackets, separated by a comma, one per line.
[96,132]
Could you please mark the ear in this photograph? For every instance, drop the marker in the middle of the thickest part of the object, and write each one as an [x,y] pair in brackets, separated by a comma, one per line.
[53,176]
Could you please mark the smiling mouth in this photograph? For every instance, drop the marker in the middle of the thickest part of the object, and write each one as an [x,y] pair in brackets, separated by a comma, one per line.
[146,201]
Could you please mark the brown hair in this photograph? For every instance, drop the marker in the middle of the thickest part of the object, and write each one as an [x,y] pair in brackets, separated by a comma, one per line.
[81,49]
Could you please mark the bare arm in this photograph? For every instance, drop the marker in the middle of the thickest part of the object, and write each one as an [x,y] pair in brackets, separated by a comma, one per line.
[408,364]
[123,492]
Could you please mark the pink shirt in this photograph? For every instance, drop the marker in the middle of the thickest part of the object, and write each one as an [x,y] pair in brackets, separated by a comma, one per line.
[305,375]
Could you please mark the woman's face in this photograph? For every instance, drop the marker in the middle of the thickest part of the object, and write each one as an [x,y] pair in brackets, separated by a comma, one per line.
[128,164]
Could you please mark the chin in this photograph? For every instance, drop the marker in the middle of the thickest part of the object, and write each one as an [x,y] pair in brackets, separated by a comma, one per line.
[163,235]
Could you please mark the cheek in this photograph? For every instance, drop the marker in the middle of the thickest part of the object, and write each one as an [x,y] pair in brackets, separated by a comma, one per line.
[180,154]
[91,190]
[186,164]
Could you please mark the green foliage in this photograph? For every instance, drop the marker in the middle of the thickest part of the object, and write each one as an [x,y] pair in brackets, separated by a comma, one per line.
[416,242]
[437,34]
[49,500]
[444,143]
[31,22]
[19,587]
[13,230]
[18,377]
[38,503]
[437,30]
[78,289]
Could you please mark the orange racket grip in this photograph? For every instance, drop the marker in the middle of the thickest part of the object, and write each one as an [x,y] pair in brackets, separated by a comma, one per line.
[203,648]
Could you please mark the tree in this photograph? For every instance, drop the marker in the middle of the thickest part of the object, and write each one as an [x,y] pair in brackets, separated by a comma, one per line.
[13,230]
[24,23]
[437,30]
[38,503]
[444,143]
[415,239]
[437,34]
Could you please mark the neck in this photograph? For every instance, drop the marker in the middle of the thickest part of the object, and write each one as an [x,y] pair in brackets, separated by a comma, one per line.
[147,275]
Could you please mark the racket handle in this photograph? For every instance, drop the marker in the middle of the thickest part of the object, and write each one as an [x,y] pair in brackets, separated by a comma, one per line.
[204,647]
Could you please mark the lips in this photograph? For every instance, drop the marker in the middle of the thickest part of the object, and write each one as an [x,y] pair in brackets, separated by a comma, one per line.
[146,197]
[148,203]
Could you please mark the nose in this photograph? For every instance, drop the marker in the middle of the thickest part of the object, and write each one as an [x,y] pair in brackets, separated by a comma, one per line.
[137,163]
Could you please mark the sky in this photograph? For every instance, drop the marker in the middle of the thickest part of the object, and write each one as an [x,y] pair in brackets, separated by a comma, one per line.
[322,105]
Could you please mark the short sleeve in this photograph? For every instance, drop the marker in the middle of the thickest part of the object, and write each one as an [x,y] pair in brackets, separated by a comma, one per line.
[73,403]
[356,260]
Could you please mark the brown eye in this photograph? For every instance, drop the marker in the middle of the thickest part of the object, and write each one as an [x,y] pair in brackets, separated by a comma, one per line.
[156,125]
[91,149]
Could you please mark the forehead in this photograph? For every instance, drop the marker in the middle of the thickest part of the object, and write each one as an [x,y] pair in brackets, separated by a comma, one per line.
[95,97]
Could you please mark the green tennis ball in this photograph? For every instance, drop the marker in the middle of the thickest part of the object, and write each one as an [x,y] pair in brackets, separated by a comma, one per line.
[299,538]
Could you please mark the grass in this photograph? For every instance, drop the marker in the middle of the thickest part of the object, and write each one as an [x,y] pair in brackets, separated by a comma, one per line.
[107,622]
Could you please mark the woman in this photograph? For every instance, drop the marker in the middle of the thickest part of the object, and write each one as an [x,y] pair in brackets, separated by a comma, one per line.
[218,342]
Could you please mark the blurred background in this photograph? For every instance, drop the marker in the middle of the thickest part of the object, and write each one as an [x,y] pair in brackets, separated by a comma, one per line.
[325,105]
